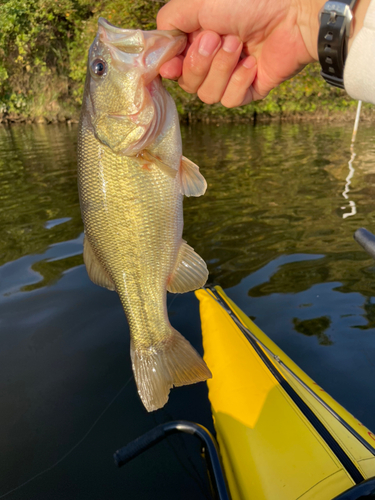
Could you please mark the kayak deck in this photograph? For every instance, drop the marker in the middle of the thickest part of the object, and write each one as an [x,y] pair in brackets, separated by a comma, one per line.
[280,435]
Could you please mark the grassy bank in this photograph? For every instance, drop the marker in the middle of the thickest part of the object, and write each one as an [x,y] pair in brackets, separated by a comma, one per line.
[43,50]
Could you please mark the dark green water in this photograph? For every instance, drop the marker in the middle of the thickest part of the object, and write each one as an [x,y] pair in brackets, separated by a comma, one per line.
[275,228]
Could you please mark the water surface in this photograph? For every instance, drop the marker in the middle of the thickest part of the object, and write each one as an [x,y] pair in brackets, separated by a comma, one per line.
[275,228]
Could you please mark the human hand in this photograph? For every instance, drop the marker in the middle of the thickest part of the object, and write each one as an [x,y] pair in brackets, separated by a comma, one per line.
[239,50]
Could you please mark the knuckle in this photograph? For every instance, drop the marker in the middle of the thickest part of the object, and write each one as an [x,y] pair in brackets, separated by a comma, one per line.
[234,97]
[222,64]
[196,65]
[196,69]
[207,97]
[190,89]
[239,79]
[230,102]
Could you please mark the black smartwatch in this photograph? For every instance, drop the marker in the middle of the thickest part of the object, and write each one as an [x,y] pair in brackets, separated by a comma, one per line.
[335,24]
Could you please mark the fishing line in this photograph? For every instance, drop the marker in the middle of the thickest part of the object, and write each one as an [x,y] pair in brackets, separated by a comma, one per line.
[73,448]
[197,477]
[171,301]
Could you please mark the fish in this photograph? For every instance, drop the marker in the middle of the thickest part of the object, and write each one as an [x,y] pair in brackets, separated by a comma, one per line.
[132,178]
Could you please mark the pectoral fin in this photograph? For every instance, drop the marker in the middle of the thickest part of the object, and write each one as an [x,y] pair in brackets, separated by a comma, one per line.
[146,157]
[94,268]
[189,273]
[192,181]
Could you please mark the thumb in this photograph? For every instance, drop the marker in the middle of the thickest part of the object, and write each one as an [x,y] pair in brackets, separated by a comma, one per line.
[180,14]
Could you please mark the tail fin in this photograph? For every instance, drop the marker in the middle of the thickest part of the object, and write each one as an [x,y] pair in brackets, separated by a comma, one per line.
[157,370]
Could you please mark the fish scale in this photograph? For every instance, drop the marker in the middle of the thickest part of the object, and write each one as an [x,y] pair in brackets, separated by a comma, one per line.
[132,177]
[129,202]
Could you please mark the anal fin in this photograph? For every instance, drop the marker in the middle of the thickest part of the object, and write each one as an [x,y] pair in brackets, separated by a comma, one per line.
[189,273]
[95,270]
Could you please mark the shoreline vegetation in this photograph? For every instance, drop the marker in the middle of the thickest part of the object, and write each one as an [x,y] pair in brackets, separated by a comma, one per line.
[43,54]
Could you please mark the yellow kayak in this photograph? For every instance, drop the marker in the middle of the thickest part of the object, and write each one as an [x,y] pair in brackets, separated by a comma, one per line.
[281,436]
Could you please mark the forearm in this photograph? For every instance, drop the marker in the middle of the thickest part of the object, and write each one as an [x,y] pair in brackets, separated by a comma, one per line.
[359,15]
[359,73]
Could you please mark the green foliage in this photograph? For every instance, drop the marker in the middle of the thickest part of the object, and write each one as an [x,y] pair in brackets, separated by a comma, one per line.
[33,49]
[43,51]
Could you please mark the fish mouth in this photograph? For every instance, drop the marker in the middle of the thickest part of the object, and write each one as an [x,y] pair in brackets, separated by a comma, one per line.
[135,41]
[124,31]
[109,26]
[142,51]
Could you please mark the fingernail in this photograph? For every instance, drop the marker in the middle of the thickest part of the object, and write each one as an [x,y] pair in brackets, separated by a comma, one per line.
[231,43]
[207,44]
[249,62]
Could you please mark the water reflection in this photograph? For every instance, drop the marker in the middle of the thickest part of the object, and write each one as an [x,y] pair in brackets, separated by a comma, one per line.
[276,191]
[272,190]
[272,231]
[37,184]
[314,326]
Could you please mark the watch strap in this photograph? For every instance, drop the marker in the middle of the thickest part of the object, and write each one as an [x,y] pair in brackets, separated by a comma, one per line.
[335,22]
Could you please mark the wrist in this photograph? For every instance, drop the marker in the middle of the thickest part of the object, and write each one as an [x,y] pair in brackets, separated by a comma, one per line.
[309,23]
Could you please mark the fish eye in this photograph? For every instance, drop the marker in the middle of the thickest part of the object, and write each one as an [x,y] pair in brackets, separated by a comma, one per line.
[99,67]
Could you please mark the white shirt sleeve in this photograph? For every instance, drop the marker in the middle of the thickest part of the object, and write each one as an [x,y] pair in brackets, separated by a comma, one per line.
[359,71]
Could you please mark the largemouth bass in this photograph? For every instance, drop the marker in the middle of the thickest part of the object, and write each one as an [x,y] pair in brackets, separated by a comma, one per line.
[132,178]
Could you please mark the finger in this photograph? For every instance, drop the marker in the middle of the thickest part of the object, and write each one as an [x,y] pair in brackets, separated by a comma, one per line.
[172,69]
[198,60]
[179,14]
[256,96]
[252,95]
[191,37]
[260,91]
[239,84]
[263,84]
[223,64]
